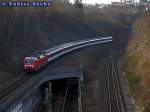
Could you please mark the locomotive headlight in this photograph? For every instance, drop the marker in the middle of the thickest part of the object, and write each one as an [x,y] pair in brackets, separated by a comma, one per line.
[32,66]
[27,66]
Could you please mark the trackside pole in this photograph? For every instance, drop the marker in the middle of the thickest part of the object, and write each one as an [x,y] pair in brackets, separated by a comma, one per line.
[48,98]
[80,88]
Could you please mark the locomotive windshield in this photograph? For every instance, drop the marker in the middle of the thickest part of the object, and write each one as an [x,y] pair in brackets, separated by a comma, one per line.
[29,61]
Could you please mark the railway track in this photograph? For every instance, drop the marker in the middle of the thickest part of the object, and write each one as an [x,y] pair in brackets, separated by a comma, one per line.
[9,82]
[114,99]
[12,90]
[4,92]
[17,86]
[7,89]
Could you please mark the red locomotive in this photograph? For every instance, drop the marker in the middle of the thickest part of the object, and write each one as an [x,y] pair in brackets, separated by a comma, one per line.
[33,63]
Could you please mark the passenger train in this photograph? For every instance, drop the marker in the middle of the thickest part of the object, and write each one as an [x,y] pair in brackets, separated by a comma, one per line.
[35,62]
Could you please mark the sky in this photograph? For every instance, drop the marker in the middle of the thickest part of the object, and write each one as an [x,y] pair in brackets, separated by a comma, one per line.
[97,1]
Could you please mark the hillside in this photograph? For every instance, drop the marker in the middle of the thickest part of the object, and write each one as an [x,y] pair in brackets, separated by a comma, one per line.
[137,62]
[25,31]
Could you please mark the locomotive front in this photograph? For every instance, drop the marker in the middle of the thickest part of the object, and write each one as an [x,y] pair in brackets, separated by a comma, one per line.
[29,63]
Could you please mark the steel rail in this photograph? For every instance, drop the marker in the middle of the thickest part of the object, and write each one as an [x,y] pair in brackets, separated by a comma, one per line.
[113,91]
[13,86]
[108,90]
[122,105]
[9,82]
[115,88]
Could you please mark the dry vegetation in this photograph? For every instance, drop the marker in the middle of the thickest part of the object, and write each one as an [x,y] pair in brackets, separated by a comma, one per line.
[138,62]
[24,31]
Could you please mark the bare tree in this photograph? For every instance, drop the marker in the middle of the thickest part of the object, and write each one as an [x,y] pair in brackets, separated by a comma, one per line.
[78,3]
[127,1]
[143,1]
